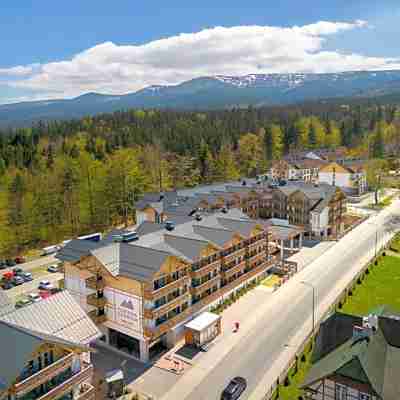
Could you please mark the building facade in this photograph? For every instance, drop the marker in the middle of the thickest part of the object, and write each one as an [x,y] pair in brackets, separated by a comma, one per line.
[43,367]
[356,358]
[142,293]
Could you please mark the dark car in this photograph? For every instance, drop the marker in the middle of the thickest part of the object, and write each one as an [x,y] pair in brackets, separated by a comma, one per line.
[17,280]
[27,276]
[3,264]
[234,389]
[18,271]
[7,285]
[10,263]
[19,260]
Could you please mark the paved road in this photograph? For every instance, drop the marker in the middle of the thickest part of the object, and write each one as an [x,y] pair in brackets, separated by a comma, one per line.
[34,264]
[263,346]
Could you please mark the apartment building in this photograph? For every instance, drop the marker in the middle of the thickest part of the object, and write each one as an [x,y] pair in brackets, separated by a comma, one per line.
[45,351]
[318,209]
[356,358]
[350,177]
[141,294]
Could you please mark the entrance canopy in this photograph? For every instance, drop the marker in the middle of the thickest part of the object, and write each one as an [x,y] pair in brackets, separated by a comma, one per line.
[203,321]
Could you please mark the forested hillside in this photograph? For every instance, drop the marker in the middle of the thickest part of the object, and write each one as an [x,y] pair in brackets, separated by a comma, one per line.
[59,179]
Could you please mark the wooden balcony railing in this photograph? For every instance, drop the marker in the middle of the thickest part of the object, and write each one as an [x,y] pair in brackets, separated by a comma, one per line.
[229,272]
[238,253]
[95,301]
[206,285]
[89,393]
[98,319]
[158,312]
[206,269]
[95,283]
[155,294]
[44,375]
[167,325]
[85,374]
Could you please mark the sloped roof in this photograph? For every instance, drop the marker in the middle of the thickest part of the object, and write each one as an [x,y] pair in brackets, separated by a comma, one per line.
[17,345]
[131,260]
[241,226]
[191,248]
[374,360]
[58,315]
[217,236]
[76,248]
[147,227]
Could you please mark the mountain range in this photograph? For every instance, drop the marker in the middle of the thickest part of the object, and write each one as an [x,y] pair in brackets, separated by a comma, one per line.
[214,92]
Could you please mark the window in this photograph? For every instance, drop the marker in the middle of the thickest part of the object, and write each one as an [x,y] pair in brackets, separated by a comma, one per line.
[340,392]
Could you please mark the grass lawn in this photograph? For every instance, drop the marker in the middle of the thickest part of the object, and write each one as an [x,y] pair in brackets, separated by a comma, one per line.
[271,280]
[292,392]
[381,286]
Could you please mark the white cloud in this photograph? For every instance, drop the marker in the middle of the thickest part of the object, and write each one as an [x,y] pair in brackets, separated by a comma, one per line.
[111,68]
[17,71]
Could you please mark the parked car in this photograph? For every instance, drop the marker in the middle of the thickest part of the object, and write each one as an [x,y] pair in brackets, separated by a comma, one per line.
[10,263]
[18,271]
[17,280]
[34,297]
[3,264]
[19,260]
[6,285]
[46,285]
[23,303]
[54,268]
[27,276]
[234,389]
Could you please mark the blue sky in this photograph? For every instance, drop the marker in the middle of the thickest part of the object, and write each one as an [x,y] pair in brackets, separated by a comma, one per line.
[34,35]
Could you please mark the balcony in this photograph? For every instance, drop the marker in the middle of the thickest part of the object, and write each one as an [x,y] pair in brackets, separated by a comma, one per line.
[235,254]
[86,392]
[85,374]
[169,287]
[258,256]
[95,283]
[44,375]
[229,272]
[98,319]
[204,286]
[157,312]
[206,269]
[95,301]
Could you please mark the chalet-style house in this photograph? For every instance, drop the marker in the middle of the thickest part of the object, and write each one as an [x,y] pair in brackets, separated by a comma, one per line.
[318,209]
[45,351]
[356,358]
[142,293]
[350,177]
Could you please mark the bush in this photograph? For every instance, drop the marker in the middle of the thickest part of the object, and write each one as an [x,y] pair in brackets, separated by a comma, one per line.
[376,262]
[367,271]
[340,305]
[350,293]
[303,358]
[358,281]
[384,253]
[287,381]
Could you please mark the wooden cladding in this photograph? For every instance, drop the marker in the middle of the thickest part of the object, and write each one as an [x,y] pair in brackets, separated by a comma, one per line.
[206,285]
[166,326]
[85,374]
[205,270]
[95,301]
[155,294]
[44,375]
[88,394]
[95,283]
[158,312]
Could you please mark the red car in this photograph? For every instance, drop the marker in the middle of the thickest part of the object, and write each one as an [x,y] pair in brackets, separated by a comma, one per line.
[20,260]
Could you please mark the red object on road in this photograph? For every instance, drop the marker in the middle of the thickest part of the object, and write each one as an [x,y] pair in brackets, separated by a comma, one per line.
[8,275]
[236,326]
[44,294]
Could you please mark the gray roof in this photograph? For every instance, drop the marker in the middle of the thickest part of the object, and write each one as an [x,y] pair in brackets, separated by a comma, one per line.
[76,248]
[17,345]
[241,226]
[190,247]
[131,260]
[217,236]
[58,315]
[147,227]
[6,305]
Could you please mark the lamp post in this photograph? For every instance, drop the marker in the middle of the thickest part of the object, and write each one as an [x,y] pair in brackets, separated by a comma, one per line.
[313,304]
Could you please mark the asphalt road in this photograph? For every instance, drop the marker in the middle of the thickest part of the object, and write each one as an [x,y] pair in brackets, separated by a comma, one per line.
[254,356]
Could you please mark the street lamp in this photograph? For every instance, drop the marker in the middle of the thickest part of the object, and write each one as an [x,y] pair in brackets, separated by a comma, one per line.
[313,304]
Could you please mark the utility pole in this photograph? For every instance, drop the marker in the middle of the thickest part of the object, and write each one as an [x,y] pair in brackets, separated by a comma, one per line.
[313,304]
